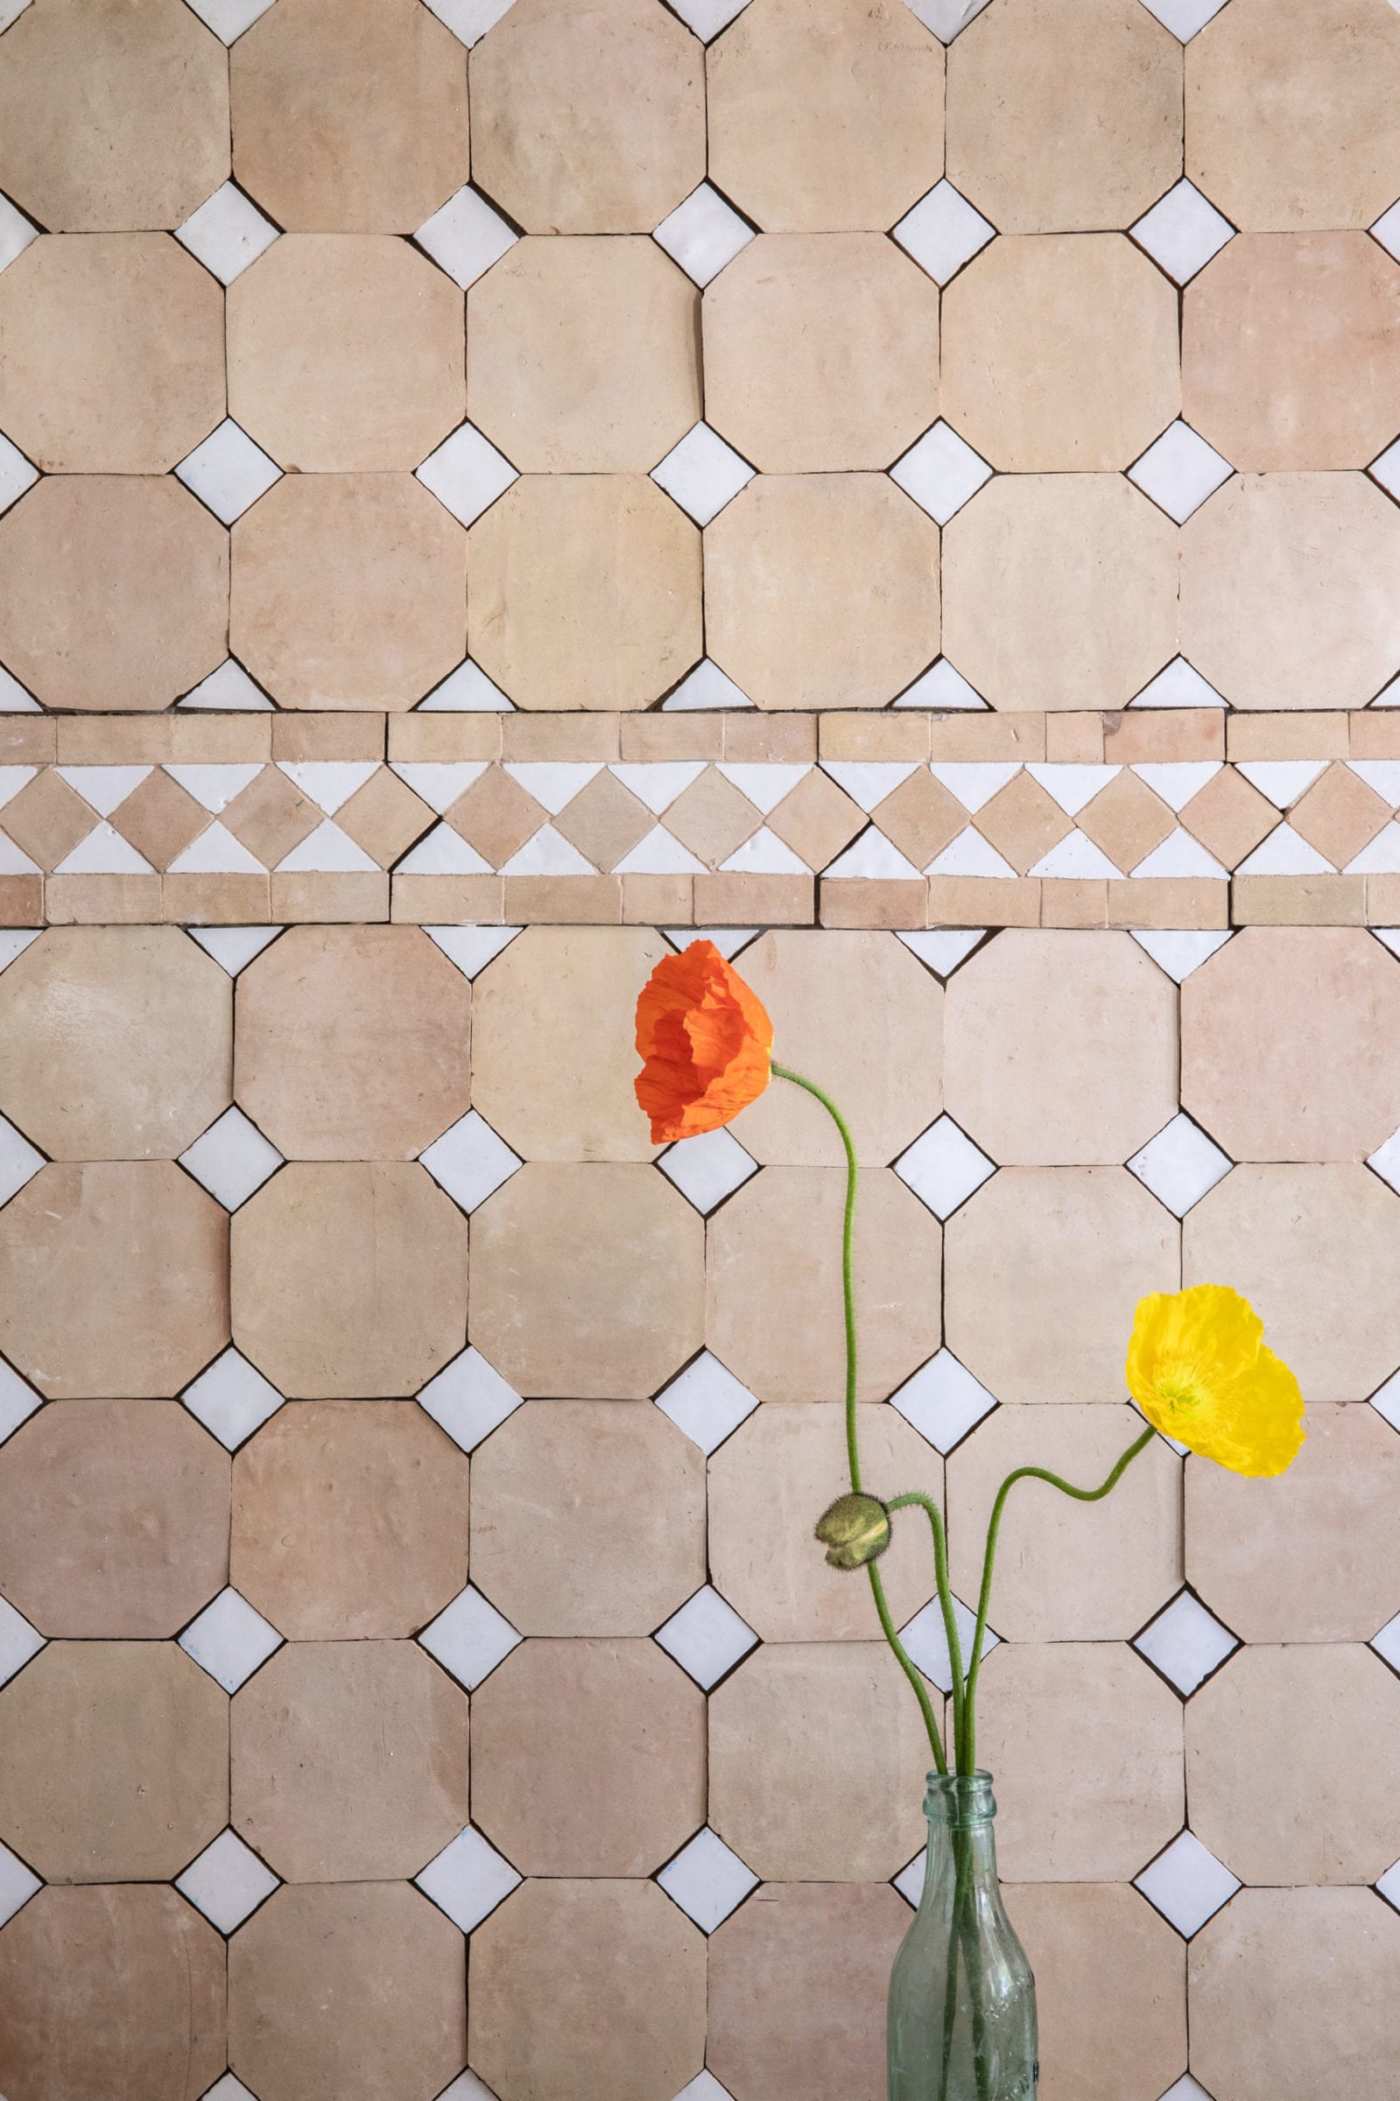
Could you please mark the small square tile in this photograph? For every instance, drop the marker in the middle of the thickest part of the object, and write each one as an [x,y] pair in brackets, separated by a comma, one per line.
[18,1400]
[46,820]
[1183,231]
[941,471]
[468,1879]
[16,473]
[18,1641]
[228,472]
[943,231]
[229,1639]
[1179,471]
[227,1882]
[708,1169]
[1186,1643]
[1187,1884]
[16,232]
[469,1161]
[231,1398]
[816,820]
[607,820]
[385,817]
[706,1401]
[17,1884]
[702,474]
[1180,1164]
[1340,815]
[1126,821]
[466,473]
[469,1399]
[943,1167]
[707,1880]
[706,1637]
[943,1401]
[227,233]
[232,1159]
[1023,822]
[704,233]
[465,236]
[926,1639]
[19,1162]
[469,1638]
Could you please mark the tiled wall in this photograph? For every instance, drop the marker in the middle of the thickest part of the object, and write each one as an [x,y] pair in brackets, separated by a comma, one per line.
[485,488]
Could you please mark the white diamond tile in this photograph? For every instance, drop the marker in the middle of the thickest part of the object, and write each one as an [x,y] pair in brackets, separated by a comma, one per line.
[1179,854]
[1077,858]
[1180,1164]
[553,783]
[1386,469]
[703,233]
[14,698]
[18,1400]
[707,1880]
[969,854]
[706,1401]
[228,686]
[468,1879]
[1387,1642]
[465,236]
[328,851]
[469,1638]
[1386,1161]
[947,18]
[19,1161]
[1386,1401]
[706,1637]
[1179,471]
[941,687]
[229,2089]
[1186,2088]
[469,1399]
[16,232]
[910,1880]
[231,1398]
[706,687]
[467,2087]
[656,784]
[926,1639]
[10,11]
[1186,1642]
[16,473]
[471,948]
[1182,232]
[868,782]
[873,858]
[1389,935]
[765,854]
[943,231]
[1187,1884]
[702,474]
[466,473]
[943,1167]
[942,949]
[233,947]
[941,472]
[227,233]
[443,851]
[1072,786]
[214,787]
[1381,774]
[14,861]
[229,1639]
[1178,781]
[103,787]
[708,1169]
[228,19]
[439,782]
[18,1641]
[547,853]
[1389,695]
[705,2086]
[659,853]
[1177,685]
[227,1882]
[12,779]
[1387,228]
[1389,1885]
[1183,18]
[1179,953]
[1282,780]
[15,940]
[943,1401]
[469,21]
[976,783]
[469,1161]
[466,691]
[228,472]
[1380,856]
[216,852]
[1284,852]
[328,782]
[17,1884]
[231,1159]
[105,852]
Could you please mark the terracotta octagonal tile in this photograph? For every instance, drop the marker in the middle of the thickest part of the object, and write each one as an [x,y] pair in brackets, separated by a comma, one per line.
[117,1768]
[352,1042]
[350,1280]
[113,1278]
[1110,1980]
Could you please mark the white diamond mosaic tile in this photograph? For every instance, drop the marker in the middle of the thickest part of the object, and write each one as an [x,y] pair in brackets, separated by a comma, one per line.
[943,1401]
[468,1879]
[231,1398]
[232,1159]
[943,1167]
[706,1637]
[1186,1643]
[227,1882]
[469,1399]
[469,1638]
[229,1639]
[707,1880]
[1187,1884]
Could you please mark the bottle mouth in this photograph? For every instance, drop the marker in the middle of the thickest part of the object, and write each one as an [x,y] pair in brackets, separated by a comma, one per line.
[960,1800]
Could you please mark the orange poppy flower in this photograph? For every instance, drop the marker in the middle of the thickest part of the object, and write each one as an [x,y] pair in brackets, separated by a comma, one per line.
[706,1042]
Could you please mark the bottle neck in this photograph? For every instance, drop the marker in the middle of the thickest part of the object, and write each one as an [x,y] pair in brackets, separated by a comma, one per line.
[961,1812]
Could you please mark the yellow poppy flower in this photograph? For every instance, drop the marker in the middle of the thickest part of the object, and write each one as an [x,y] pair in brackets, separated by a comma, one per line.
[1199,1371]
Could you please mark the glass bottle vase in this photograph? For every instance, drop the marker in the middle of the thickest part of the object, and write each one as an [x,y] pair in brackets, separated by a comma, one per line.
[962,1998]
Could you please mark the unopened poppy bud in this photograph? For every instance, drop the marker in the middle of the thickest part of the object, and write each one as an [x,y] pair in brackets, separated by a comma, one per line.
[856,1529]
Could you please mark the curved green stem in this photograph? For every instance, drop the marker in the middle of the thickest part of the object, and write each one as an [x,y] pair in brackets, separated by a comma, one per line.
[967,1746]
[848,1299]
[916,1499]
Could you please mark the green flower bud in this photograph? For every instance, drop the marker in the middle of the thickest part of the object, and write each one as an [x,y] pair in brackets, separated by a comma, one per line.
[856,1529]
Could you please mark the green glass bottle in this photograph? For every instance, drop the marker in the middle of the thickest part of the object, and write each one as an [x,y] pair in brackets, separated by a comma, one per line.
[962,1998]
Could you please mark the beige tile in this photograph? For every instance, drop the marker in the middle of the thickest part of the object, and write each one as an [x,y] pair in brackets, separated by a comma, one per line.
[271,816]
[920,817]
[1259,2024]
[76,1320]
[1309,1558]
[1301,900]
[103,900]
[1110,1979]
[341,1993]
[117,1990]
[1171,901]
[1126,821]
[605,821]
[975,735]
[1061,1048]
[349,116]
[1289,118]
[771,1481]
[111,353]
[1042,145]
[1166,735]
[585,354]
[1300,1243]
[1075,739]
[324,898]
[816,819]
[353,1043]
[1060,353]
[29,740]
[1062,1251]
[159,819]
[1022,822]
[814,132]
[1288,1045]
[821,590]
[1229,817]
[384,817]
[349,1520]
[1067,1571]
[349,591]
[566,900]
[821,351]
[800,1799]
[613,156]
[1303,734]
[452,737]
[691,733]
[882,903]
[201,900]
[1339,815]
[496,816]
[1060,591]
[797,1986]
[345,353]
[1079,1805]
[47,819]
[1076,902]
[839,1003]
[1290,590]
[113,1519]
[327,736]
[115,1042]
[613,1970]
[1277,1802]
[1370,736]
[588,1518]
[777,1245]
[554,985]
[616,1792]
[350,1280]
[759,740]
[117,1769]
[738,900]
[112,118]
[548,1250]
[712,818]
[585,592]
[648,898]
[113,591]
[434,900]
[349,1760]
